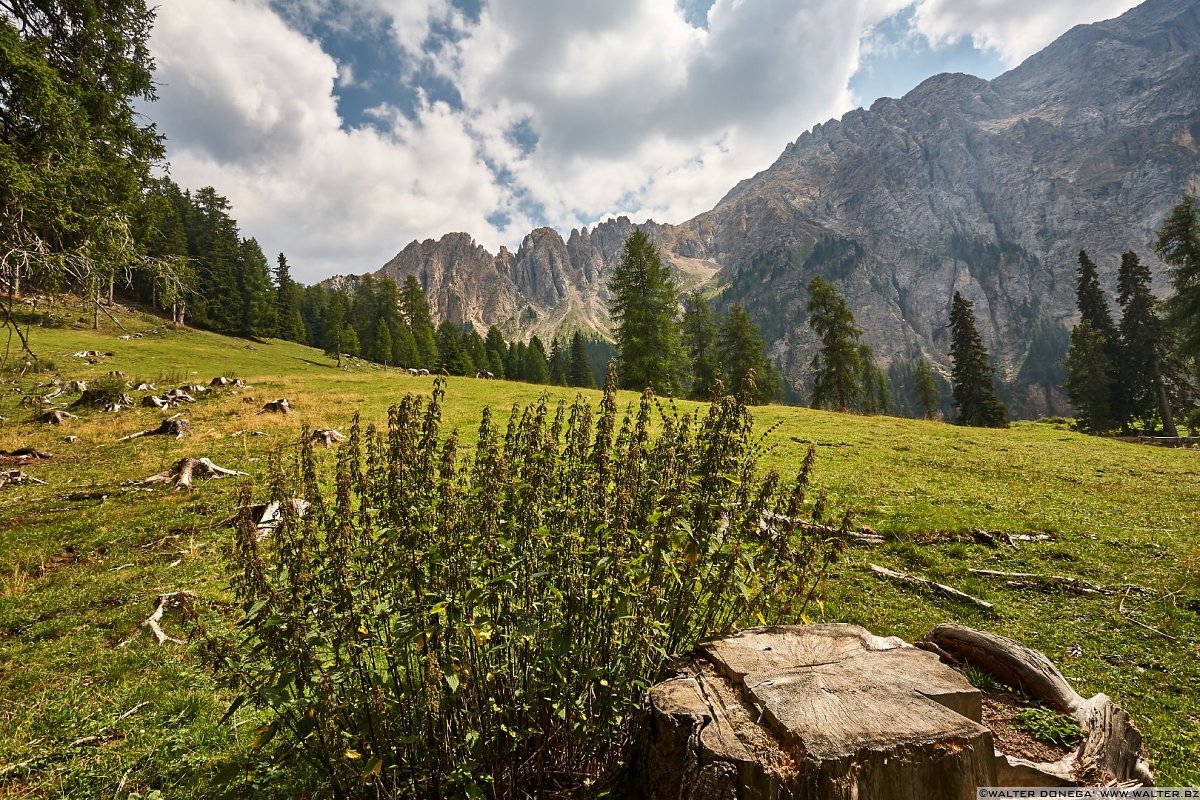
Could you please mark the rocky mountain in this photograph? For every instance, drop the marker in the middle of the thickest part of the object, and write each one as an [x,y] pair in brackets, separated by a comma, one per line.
[989,188]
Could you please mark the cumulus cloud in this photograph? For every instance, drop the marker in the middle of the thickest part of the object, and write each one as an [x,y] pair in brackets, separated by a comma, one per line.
[563,113]
[1016,29]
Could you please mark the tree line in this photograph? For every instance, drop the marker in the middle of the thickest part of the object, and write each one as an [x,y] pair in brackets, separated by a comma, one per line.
[1139,373]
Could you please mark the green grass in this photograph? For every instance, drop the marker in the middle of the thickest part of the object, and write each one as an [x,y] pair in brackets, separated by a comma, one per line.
[83,716]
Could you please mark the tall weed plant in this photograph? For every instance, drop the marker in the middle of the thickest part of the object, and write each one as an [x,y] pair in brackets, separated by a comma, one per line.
[487,625]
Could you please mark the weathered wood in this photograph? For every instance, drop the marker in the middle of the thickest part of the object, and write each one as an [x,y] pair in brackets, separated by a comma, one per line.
[1029,580]
[821,711]
[1112,750]
[56,417]
[327,437]
[181,473]
[863,537]
[175,426]
[153,622]
[280,406]
[16,477]
[940,588]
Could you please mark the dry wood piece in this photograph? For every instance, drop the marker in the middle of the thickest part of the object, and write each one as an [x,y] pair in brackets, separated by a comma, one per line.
[71,439]
[92,354]
[171,426]
[327,437]
[144,387]
[267,516]
[193,388]
[178,396]
[940,588]
[182,472]
[280,406]
[76,387]
[816,711]
[161,604]
[1112,751]
[864,536]
[223,381]
[1029,580]
[23,455]
[15,477]
[56,417]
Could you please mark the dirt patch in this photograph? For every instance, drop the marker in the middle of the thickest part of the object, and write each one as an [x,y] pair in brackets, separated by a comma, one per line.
[999,710]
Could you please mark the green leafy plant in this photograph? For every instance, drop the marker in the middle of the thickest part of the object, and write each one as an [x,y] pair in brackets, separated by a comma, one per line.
[981,680]
[488,626]
[1049,726]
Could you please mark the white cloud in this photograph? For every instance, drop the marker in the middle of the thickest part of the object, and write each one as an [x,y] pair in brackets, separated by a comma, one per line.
[247,106]
[1015,29]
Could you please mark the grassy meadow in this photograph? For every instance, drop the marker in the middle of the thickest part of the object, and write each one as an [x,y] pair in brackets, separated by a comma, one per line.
[91,706]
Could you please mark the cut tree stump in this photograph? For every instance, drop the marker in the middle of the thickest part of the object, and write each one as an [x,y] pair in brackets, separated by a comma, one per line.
[327,437]
[171,426]
[23,455]
[56,417]
[280,406]
[813,712]
[1112,751]
[222,381]
[15,477]
[182,472]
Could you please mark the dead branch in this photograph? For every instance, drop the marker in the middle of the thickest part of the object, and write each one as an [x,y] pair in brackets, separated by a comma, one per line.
[181,473]
[56,417]
[266,516]
[23,455]
[864,536]
[16,477]
[1029,580]
[171,426]
[181,599]
[940,588]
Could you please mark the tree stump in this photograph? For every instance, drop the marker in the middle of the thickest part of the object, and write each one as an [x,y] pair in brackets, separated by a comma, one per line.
[808,712]
[56,417]
[181,473]
[327,437]
[175,426]
[280,406]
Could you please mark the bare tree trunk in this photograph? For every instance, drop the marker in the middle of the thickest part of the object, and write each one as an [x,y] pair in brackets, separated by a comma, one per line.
[111,282]
[1164,408]
[96,312]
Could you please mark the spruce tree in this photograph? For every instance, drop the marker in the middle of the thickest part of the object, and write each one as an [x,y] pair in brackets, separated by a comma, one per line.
[404,349]
[838,365]
[971,377]
[579,372]
[1178,245]
[535,365]
[1087,384]
[700,345]
[256,299]
[420,321]
[351,344]
[454,357]
[1145,369]
[383,344]
[335,324]
[644,304]
[1093,309]
[876,389]
[287,303]
[497,351]
[929,394]
[743,350]
[558,363]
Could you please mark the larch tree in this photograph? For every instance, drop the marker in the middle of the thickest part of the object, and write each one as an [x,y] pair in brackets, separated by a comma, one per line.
[972,375]
[837,366]
[644,303]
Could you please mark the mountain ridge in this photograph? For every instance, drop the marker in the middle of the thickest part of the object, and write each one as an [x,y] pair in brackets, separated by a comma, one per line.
[963,184]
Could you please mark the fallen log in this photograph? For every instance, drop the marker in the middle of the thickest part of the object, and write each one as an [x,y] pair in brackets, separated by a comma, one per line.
[327,437]
[171,426]
[864,536]
[56,417]
[144,387]
[182,472]
[1112,750]
[280,406]
[939,588]
[23,455]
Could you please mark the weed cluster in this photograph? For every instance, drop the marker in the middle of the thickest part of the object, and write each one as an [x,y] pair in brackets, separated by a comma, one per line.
[488,626]
[1047,725]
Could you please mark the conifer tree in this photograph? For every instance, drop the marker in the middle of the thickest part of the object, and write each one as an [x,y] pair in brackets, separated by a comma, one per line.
[475,346]
[1087,378]
[535,365]
[929,394]
[558,363]
[971,377]
[383,344]
[335,325]
[700,346]
[742,351]
[420,321]
[351,344]
[497,350]
[876,389]
[454,357]
[1145,367]
[838,365]
[644,304]
[579,372]
[1178,245]
[256,300]
[404,349]
[1093,309]
[287,303]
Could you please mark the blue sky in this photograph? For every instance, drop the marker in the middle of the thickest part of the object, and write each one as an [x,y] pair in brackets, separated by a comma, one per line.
[343,129]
